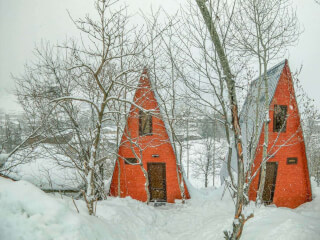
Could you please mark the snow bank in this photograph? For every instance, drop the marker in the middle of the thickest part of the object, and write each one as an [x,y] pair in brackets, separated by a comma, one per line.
[285,223]
[27,213]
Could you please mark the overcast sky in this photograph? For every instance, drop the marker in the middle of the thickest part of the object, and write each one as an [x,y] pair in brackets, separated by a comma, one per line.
[24,23]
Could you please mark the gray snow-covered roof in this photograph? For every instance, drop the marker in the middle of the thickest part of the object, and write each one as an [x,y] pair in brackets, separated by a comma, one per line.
[273,75]
[249,115]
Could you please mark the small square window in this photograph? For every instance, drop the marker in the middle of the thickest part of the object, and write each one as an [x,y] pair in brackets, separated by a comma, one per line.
[131,161]
[280,118]
[292,160]
[145,123]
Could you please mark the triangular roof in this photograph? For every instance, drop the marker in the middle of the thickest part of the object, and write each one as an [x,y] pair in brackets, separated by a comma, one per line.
[248,111]
[249,108]
[273,75]
[145,78]
[163,117]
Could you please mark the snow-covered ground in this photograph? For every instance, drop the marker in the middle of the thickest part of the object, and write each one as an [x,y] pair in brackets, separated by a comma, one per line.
[27,213]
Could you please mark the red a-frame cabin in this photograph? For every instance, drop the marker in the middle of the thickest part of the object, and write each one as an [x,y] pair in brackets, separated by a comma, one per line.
[146,137]
[287,181]
[287,177]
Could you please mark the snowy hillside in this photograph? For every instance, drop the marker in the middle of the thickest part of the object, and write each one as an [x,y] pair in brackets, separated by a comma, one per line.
[27,213]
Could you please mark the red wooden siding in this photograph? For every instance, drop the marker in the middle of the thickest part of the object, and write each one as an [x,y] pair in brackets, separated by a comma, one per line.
[132,180]
[292,183]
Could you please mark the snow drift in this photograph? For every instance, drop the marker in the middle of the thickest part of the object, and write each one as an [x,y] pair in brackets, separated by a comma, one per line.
[27,213]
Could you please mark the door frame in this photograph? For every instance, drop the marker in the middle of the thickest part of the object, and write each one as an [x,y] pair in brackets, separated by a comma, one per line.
[163,176]
[274,180]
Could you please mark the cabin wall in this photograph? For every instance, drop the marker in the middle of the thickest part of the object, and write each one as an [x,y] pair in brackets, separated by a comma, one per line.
[292,183]
[131,178]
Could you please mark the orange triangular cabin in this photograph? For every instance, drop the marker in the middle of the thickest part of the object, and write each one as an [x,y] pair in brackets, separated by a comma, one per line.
[146,138]
[287,176]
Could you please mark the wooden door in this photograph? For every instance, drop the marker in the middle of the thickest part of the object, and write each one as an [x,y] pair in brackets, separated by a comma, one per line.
[270,183]
[157,182]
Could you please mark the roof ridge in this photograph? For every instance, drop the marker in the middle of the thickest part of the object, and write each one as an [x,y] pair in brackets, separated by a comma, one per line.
[270,70]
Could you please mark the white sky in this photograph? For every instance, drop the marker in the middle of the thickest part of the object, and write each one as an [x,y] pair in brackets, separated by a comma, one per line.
[24,23]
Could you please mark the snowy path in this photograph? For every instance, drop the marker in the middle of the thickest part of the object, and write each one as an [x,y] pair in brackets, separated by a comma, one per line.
[27,213]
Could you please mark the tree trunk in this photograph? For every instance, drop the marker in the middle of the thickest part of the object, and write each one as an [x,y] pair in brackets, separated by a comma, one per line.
[90,195]
[205,180]
[266,138]
[146,185]
[239,218]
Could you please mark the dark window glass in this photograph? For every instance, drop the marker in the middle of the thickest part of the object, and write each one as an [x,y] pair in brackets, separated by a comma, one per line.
[292,160]
[131,160]
[145,123]
[280,118]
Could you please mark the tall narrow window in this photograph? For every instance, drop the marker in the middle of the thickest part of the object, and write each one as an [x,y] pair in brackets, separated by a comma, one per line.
[280,118]
[145,123]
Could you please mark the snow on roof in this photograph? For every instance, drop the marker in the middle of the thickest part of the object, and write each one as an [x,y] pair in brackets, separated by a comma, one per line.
[255,100]
[273,75]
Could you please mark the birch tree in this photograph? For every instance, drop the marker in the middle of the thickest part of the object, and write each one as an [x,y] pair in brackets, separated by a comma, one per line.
[239,217]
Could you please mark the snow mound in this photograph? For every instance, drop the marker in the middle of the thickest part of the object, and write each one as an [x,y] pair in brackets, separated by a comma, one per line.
[275,223]
[27,213]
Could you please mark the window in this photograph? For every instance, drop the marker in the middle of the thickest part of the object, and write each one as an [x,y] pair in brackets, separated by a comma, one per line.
[292,160]
[130,160]
[280,118]
[145,123]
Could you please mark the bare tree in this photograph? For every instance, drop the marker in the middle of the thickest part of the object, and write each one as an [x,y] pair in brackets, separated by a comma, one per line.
[165,81]
[31,139]
[310,121]
[85,79]
[265,31]
[207,159]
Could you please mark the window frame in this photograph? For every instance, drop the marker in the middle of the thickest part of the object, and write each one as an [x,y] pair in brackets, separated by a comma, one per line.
[148,118]
[282,128]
